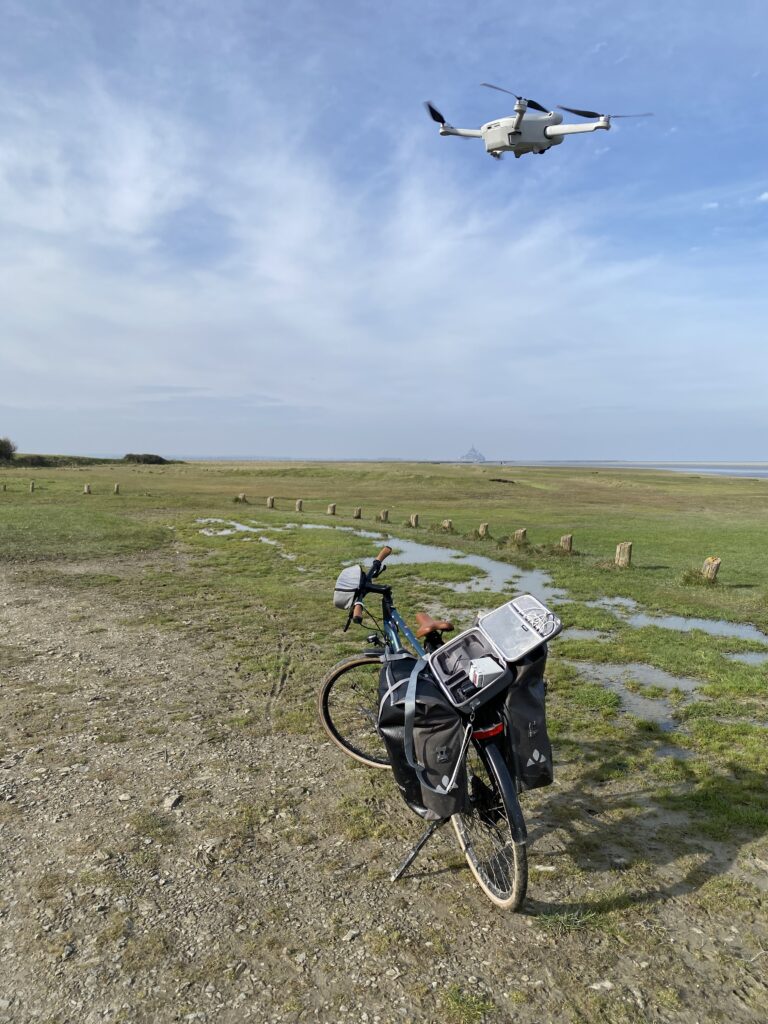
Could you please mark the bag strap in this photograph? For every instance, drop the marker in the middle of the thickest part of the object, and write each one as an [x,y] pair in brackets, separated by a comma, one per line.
[409,709]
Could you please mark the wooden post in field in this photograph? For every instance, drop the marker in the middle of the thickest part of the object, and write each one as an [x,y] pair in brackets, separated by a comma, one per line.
[447,525]
[270,502]
[414,520]
[624,554]
[358,513]
[31,486]
[299,505]
[3,486]
[332,509]
[566,542]
[384,515]
[117,488]
[86,488]
[710,568]
[521,536]
[484,530]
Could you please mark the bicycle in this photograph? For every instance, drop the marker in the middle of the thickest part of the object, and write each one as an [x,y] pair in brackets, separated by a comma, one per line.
[491,830]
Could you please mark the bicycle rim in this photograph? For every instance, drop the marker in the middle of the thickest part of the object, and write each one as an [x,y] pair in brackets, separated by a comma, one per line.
[349,705]
[499,865]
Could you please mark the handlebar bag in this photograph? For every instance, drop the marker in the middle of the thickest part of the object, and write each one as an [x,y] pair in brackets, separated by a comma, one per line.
[528,750]
[427,755]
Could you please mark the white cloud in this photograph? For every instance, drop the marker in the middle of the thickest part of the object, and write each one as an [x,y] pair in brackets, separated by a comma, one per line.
[711,205]
[763,197]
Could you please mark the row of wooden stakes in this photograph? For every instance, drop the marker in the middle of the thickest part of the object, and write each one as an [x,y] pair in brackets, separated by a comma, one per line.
[622,559]
[86,488]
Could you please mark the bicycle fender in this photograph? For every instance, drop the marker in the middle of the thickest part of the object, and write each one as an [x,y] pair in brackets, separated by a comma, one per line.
[517,821]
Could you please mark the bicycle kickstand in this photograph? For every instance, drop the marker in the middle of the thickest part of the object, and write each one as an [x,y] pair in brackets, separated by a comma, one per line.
[413,854]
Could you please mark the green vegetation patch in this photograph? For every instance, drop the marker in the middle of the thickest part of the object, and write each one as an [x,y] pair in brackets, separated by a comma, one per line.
[33,533]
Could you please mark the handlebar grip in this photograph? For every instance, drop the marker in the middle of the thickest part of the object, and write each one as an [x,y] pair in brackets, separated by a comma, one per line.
[357,614]
[385,552]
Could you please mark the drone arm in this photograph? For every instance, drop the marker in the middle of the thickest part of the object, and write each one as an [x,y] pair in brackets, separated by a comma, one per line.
[465,133]
[555,131]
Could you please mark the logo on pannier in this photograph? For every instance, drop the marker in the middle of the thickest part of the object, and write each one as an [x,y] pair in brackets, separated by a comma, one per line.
[443,754]
[535,759]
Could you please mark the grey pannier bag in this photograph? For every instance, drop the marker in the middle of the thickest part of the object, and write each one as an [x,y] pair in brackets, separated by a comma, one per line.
[349,581]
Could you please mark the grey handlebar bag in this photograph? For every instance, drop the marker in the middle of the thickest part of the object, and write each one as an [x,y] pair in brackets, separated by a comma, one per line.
[425,737]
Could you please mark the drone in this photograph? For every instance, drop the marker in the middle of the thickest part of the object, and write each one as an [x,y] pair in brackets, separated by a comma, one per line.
[523,134]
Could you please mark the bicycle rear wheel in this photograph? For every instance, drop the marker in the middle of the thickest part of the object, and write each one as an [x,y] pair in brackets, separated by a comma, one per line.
[485,830]
[348,704]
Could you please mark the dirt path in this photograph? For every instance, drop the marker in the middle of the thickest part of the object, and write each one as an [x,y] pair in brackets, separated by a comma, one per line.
[159,862]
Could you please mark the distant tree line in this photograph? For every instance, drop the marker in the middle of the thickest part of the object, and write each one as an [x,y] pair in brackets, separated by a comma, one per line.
[146,459]
[8,455]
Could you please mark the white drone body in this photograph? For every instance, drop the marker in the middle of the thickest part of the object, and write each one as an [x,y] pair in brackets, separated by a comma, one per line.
[526,133]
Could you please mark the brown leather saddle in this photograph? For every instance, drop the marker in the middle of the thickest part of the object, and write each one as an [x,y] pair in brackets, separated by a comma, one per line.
[427,625]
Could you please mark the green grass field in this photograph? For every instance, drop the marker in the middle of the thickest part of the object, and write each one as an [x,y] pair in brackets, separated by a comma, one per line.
[674,521]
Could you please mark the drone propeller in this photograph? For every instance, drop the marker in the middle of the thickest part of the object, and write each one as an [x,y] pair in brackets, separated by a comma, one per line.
[593,113]
[434,113]
[523,99]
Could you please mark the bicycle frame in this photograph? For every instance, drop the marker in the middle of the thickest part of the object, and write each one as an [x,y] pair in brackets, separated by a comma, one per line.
[394,624]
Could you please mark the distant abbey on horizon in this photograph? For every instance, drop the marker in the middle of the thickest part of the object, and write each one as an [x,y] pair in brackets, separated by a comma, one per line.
[473,455]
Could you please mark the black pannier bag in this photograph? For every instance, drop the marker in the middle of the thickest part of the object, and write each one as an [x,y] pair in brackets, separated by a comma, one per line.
[529,752]
[435,786]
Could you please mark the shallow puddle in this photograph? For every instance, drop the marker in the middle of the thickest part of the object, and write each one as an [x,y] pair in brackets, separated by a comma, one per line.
[577,633]
[626,609]
[749,658]
[679,753]
[651,709]
[492,575]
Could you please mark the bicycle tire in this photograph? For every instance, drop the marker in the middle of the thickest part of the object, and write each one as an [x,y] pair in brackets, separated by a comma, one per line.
[348,704]
[485,831]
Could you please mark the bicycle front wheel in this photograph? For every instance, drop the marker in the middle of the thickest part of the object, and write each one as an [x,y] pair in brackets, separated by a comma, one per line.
[499,864]
[348,704]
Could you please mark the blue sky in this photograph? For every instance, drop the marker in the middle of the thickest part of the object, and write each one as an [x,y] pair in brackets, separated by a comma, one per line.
[231,229]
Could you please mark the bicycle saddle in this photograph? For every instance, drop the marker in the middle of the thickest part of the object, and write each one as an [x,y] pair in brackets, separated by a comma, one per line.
[426,625]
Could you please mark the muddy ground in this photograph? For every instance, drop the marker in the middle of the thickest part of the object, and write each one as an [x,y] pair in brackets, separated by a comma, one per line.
[159,862]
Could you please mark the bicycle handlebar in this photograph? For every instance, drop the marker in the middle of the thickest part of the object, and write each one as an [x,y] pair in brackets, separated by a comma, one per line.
[357,610]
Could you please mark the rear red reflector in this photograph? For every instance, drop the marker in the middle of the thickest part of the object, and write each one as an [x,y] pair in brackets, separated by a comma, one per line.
[485,734]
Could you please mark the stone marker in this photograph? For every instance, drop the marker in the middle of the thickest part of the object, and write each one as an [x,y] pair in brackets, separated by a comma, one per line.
[566,542]
[447,525]
[624,553]
[270,502]
[710,568]
[414,519]
[384,515]
[241,498]
[299,505]
[484,530]
[332,509]
[31,486]
[117,488]
[521,536]
[86,488]
[358,513]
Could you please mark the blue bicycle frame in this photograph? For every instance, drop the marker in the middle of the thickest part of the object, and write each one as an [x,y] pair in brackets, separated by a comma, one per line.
[394,624]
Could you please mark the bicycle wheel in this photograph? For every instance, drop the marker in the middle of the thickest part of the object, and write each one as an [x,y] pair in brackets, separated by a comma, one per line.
[485,831]
[348,703]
